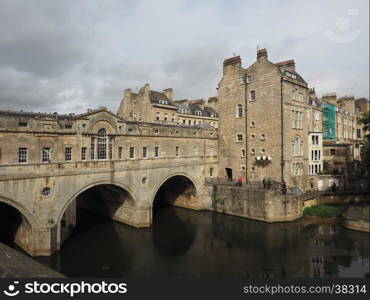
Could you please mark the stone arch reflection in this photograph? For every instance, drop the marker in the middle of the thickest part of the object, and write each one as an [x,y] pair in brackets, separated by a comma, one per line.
[173,233]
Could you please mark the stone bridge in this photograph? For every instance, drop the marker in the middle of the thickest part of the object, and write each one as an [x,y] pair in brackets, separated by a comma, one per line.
[46,195]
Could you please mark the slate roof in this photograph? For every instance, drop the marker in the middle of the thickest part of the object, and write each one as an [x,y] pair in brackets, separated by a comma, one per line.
[21,114]
[210,111]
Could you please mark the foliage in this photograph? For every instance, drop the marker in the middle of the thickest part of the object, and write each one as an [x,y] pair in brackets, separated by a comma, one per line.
[323,211]
[366,211]
[365,120]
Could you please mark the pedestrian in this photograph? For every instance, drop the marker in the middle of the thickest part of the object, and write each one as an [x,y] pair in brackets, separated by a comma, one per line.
[283,188]
[240,181]
[334,187]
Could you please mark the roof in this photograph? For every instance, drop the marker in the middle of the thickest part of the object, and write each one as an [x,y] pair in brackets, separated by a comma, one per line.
[195,107]
[156,96]
[285,62]
[210,111]
[182,106]
[21,114]
[232,60]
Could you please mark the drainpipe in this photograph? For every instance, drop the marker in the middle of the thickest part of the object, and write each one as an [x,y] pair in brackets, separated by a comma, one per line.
[246,126]
[282,163]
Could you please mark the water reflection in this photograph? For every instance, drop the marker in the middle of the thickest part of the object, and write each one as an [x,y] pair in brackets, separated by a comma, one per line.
[189,243]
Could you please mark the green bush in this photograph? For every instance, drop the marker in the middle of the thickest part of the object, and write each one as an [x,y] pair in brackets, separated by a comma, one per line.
[366,211]
[323,211]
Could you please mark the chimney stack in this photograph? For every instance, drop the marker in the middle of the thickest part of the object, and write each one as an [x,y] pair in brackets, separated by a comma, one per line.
[262,54]
[232,64]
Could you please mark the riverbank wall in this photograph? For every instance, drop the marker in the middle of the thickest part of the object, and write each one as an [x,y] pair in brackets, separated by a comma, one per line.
[257,204]
[14,264]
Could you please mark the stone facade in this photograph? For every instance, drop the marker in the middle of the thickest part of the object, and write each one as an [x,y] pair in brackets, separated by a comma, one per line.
[263,122]
[160,107]
[48,160]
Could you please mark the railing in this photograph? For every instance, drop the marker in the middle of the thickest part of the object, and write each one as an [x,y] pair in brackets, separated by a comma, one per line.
[278,188]
[332,191]
[357,212]
[268,185]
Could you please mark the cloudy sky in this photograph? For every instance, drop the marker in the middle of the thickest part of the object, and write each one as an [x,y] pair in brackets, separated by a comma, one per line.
[68,56]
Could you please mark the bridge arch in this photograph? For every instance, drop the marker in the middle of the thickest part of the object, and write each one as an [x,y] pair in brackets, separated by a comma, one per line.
[16,224]
[91,185]
[177,189]
[21,209]
[105,198]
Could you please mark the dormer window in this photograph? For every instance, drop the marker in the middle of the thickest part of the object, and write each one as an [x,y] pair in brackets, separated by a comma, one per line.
[163,102]
[198,112]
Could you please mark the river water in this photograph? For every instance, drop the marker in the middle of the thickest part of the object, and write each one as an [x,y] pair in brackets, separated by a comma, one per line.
[188,243]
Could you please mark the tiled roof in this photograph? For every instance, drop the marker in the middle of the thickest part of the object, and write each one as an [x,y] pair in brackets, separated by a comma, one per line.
[286,62]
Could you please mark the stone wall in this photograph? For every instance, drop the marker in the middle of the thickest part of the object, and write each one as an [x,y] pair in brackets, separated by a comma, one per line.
[255,204]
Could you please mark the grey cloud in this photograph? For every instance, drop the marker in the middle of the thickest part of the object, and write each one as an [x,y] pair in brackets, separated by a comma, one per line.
[70,55]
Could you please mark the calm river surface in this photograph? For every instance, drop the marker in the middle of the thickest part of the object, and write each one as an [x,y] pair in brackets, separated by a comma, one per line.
[188,243]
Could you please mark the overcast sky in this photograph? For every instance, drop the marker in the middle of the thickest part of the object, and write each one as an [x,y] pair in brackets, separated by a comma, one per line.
[68,56]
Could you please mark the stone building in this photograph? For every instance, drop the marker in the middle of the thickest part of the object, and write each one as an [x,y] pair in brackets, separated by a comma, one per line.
[263,122]
[343,135]
[34,138]
[160,107]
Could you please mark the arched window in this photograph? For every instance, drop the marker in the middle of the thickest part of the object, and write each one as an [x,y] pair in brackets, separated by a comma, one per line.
[102,144]
[239,111]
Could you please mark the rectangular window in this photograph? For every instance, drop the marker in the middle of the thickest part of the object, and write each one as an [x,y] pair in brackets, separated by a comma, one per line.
[211,172]
[243,152]
[132,152]
[239,138]
[83,153]
[110,149]
[144,152]
[252,96]
[67,153]
[22,124]
[92,149]
[22,155]
[156,152]
[177,151]
[120,150]
[358,133]
[332,151]
[46,155]
[68,126]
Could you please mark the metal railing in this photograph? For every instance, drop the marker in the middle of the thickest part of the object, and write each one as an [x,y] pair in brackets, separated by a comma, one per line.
[268,185]
[357,212]
[278,188]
